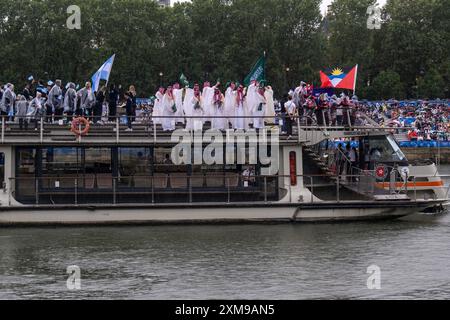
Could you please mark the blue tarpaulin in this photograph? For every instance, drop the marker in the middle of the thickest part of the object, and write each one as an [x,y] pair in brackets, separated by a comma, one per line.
[424,144]
[408,121]
[143,100]
[408,103]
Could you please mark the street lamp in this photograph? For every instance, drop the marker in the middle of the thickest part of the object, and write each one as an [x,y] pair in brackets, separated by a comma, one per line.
[161,79]
[287,77]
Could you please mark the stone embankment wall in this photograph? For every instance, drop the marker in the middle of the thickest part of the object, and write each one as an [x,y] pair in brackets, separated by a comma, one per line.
[435,154]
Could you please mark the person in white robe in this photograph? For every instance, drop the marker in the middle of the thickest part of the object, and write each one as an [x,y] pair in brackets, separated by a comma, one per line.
[197,109]
[219,121]
[270,105]
[158,106]
[187,108]
[259,109]
[240,110]
[169,110]
[178,94]
[251,97]
[207,98]
[230,103]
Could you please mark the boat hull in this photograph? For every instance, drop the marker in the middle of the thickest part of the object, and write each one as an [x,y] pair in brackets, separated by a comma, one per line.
[197,214]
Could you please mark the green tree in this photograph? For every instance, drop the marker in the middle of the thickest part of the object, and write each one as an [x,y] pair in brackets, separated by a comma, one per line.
[415,38]
[350,42]
[211,39]
[431,86]
[387,85]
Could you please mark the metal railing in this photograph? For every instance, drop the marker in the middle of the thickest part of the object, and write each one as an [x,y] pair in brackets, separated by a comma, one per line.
[227,188]
[50,126]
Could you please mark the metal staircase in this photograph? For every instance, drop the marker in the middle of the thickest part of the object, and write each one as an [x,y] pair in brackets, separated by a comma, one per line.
[362,182]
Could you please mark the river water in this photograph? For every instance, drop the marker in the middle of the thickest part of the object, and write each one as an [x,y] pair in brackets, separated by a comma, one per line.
[301,261]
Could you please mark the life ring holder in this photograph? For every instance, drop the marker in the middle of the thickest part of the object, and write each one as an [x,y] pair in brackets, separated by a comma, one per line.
[76,125]
[381,172]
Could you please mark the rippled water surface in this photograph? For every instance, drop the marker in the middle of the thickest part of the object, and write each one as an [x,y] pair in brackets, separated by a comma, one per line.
[302,261]
[240,262]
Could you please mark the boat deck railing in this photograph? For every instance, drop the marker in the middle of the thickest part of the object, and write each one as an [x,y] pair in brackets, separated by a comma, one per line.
[57,130]
[176,188]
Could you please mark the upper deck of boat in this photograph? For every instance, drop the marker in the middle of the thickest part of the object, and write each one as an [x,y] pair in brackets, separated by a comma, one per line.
[116,134]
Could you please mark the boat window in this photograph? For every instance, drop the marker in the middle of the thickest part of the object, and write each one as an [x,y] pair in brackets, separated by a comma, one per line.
[135,167]
[25,174]
[384,149]
[398,154]
[134,161]
[97,160]
[234,172]
[26,161]
[163,162]
[62,161]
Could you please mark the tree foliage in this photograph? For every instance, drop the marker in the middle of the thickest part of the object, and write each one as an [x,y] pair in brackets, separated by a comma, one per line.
[211,39]
[387,85]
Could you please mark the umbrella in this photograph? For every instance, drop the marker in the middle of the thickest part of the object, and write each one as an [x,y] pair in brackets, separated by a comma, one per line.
[393,122]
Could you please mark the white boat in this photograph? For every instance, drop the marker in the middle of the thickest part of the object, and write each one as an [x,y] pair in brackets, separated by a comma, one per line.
[110,176]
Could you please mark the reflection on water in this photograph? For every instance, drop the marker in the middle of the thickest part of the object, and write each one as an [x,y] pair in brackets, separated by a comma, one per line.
[302,261]
[240,262]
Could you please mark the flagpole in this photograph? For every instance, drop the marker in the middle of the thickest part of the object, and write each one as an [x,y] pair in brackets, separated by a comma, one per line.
[354,83]
[107,81]
[265,57]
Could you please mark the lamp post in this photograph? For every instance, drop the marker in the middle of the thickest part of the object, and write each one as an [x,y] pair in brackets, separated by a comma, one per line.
[161,79]
[287,77]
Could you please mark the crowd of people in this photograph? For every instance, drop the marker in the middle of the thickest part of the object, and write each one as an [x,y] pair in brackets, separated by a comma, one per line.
[234,106]
[220,106]
[420,120]
[51,102]
[316,109]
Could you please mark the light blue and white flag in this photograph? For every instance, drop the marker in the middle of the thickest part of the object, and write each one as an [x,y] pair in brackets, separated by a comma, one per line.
[102,73]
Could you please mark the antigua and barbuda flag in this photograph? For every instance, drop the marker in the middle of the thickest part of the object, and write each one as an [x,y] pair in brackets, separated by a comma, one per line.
[340,78]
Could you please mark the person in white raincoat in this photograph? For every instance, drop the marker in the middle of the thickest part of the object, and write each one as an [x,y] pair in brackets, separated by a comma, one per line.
[169,110]
[36,110]
[21,111]
[70,101]
[87,99]
[230,103]
[8,101]
[158,106]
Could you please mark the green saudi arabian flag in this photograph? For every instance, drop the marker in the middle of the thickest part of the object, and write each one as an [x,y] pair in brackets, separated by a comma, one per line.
[183,80]
[258,71]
